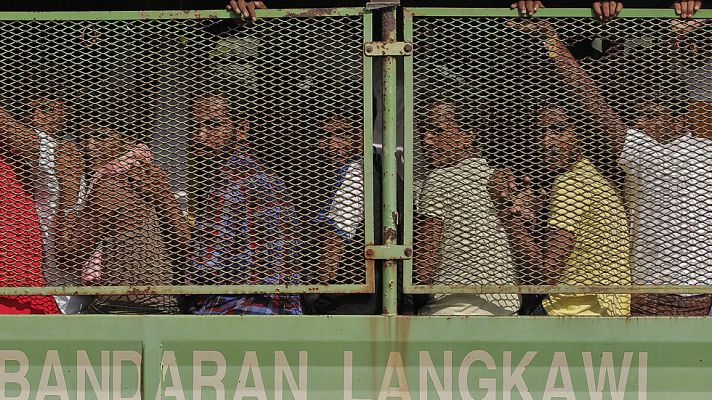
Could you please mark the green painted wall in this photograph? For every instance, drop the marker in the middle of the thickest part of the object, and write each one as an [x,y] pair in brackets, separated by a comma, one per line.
[356,358]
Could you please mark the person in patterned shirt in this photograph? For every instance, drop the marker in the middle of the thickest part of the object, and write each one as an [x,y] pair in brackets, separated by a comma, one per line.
[244,235]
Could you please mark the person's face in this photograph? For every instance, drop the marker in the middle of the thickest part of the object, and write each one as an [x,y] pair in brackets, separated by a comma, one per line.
[341,141]
[48,115]
[443,137]
[103,144]
[559,146]
[656,121]
[214,128]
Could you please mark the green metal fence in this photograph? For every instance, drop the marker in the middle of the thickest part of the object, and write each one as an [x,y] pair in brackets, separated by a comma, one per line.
[123,96]
[118,123]
[496,81]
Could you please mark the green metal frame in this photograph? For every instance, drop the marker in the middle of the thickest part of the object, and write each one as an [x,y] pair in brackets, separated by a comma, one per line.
[369,284]
[176,14]
[543,13]
[409,287]
[390,250]
[390,163]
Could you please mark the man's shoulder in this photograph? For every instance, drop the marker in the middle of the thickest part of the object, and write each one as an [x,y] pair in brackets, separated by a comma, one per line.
[581,177]
[243,166]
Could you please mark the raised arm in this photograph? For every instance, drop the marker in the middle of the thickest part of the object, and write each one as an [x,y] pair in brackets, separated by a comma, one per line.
[579,82]
[593,99]
[79,231]
[70,169]
[153,183]
[19,138]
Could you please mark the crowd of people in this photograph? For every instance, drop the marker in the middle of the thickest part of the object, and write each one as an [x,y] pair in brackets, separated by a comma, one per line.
[97,209]
[578,222]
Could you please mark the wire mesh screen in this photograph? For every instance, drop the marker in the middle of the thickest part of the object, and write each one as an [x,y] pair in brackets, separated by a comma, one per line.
[562,152]
[197,152]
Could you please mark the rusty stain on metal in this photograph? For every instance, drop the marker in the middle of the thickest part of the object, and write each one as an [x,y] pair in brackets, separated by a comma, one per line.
[369,253]
[389,24]
[313,12]
[189,14]
[403,335]
[390,234]
[394,218]
[139,291]
[408,252]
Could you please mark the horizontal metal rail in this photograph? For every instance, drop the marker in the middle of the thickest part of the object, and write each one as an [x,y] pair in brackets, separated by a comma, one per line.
[545,12]
[174,14]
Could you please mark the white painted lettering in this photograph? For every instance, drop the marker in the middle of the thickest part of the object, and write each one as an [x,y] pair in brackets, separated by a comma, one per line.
[282,369]
[484,383]
[169,364]
[515,379]
[86,370]
[118,359]
[427,369]
[607,370]
[18,378]
[559,366]
[394,364]
[214,381]
[52,365]
[643,376]
[250,364]
[349,377]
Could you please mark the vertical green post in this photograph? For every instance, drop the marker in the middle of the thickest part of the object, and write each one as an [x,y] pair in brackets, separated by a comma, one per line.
[390,165]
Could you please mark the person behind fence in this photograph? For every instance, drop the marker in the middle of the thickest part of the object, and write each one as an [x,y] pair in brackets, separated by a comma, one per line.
[460,240]
[22,240]
[56,177]
[668,171]
[587,240]
[125,225]
[245,235]
[341,219]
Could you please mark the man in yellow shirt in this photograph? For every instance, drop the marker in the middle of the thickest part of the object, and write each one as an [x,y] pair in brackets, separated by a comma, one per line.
[587,240]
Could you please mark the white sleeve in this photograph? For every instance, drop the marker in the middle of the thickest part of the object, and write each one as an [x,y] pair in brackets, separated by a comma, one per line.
[634,143]
[347,208]
[435,199]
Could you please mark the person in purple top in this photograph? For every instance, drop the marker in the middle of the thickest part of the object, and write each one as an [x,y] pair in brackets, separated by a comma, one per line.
[244,235]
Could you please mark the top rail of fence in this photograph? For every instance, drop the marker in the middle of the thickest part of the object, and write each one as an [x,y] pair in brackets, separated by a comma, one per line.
[545,13]
[173,14]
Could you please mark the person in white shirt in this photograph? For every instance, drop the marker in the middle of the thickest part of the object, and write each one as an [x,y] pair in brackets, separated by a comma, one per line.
[460,240]
[667,189]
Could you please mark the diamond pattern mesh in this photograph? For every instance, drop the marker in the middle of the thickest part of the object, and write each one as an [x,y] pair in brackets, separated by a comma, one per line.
[181,152]
[562,152]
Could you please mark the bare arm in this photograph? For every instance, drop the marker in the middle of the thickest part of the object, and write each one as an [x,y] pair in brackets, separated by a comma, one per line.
[20,139]
[517,210]
[427,245]
[79,233]
[559,246]
[334,248]
[153,184]
[70,169]
[593,99]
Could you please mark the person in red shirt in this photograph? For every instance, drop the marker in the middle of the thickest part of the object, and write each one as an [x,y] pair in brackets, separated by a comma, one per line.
[20,246]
